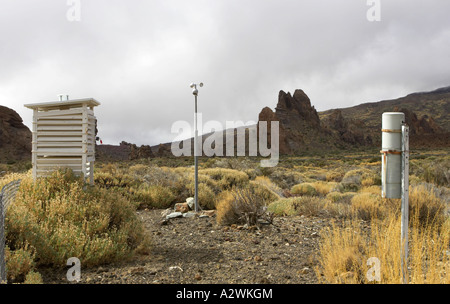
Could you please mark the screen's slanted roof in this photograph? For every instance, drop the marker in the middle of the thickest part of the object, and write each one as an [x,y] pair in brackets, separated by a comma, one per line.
[90,102]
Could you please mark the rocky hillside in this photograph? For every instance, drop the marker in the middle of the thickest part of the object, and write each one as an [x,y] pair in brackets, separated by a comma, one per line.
[427,114]
[303,129]
[15,137]
[434,104]
[124,151]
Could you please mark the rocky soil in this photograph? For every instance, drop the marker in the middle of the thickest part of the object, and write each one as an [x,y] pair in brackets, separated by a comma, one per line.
[197,250]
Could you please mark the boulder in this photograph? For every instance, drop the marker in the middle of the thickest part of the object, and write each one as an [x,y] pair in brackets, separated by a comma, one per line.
[189,214]
[181,207]
[174,215]
[15,137]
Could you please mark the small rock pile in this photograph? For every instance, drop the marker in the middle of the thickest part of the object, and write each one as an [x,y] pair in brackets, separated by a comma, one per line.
[185,210]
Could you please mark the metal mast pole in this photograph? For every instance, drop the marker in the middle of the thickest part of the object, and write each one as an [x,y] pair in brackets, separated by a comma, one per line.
[196,156]
[405,202]
[196,152]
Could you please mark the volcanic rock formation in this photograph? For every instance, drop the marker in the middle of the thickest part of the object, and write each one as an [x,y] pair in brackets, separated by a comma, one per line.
[15,137]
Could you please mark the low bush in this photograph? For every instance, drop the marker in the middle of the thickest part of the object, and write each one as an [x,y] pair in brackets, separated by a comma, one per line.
[160,176]
[113,180]
[269,185]
[241,206]
[205,196]
[59,217]
[305,205]
[263,192]
[154,196]
[20,265]
[226,178]
[33,277]
[334,176]
[367,206]
[437,173]
[304,189]
[286,178]
[342,198]
[138,170]
[323,188]
[425,206]
[354,179]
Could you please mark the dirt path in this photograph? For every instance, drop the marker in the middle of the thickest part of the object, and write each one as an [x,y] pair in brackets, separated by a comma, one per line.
[197,250]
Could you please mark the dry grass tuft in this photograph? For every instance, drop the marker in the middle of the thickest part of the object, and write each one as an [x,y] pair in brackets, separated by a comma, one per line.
[367,206]
[345,251]
[241,206]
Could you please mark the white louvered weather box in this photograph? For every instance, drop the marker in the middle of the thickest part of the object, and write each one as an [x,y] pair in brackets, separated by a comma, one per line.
[64,137]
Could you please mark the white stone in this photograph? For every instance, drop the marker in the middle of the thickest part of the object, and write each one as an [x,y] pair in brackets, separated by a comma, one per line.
[174,215]
[189,214]
[190,202]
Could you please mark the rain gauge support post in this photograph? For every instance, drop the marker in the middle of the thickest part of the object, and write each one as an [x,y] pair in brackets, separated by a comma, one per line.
[395,173]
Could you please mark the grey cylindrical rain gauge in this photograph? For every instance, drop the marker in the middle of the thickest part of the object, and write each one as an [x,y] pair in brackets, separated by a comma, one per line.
[391,159]
[395,173]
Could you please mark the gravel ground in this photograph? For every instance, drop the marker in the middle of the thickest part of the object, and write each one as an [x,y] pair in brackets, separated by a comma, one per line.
[197,250]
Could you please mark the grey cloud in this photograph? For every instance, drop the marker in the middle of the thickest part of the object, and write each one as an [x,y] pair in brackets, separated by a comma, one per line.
[138,57]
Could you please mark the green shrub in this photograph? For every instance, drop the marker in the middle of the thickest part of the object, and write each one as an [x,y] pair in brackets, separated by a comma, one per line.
[305,205]
[323,188]
[59,220]
[264,192]
[205,196]
[286,178]
[354,179]
[334,176]
[160,176]
[138,170]
[338,197]
[437,173]
[33,278]
[267,188]
[108,180]
[154,196]
[226,179]
[19,263]
[304,189]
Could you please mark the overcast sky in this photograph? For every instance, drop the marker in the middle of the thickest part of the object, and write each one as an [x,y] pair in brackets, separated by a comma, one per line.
[138,57]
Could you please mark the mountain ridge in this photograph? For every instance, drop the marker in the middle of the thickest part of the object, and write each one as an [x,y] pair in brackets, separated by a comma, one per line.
[302,127]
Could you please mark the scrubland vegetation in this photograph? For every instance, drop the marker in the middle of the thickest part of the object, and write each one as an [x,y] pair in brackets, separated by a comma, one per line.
[60,217]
